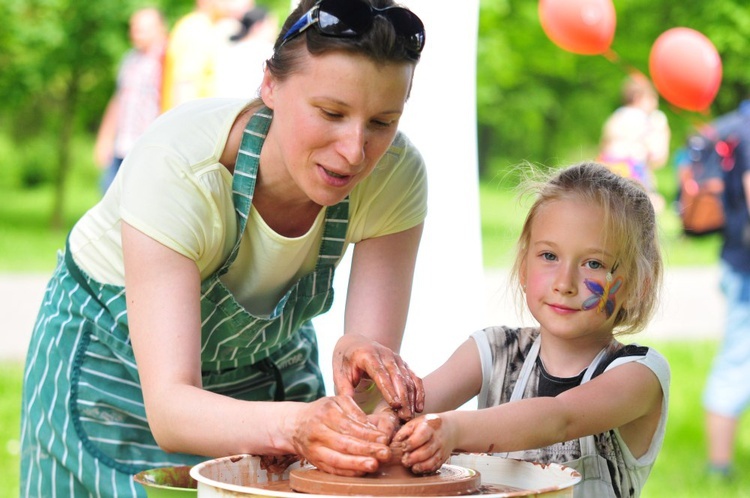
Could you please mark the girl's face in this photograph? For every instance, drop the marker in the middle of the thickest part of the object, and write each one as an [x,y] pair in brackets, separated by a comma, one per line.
[333,121]
[565,271]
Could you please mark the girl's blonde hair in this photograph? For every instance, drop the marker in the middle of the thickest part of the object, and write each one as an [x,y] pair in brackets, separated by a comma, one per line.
[629,223]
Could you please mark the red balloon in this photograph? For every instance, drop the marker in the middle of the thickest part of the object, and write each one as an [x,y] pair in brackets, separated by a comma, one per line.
[584,27]
[685,68]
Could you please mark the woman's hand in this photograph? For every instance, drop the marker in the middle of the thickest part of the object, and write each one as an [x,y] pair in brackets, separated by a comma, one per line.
[377,304]
[357,358]
[427,444]
[335,435]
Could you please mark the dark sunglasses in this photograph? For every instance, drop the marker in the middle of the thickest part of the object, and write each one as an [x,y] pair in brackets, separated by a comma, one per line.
[351,18]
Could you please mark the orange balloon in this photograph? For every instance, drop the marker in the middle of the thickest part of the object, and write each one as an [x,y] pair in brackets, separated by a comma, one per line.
[685,68]
[584,27]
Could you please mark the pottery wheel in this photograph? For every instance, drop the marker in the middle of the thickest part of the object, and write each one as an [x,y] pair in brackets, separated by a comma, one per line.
[450,480]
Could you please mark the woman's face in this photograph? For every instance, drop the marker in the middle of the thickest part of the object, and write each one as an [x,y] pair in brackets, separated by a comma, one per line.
[333,121]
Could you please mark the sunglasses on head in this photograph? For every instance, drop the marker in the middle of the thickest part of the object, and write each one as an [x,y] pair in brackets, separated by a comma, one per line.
[352,18]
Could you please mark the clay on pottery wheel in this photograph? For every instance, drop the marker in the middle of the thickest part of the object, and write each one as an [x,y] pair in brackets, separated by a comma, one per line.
[392,479]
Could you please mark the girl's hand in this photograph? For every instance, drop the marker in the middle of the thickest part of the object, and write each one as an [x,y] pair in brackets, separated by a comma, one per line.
[427,444]
[386,421]
[335,435]
[357,358]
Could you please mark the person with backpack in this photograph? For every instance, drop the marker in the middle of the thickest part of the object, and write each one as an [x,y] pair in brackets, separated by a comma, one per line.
[702,163]
[727,392]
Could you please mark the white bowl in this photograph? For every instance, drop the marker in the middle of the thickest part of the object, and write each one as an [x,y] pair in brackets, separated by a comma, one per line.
[241,475]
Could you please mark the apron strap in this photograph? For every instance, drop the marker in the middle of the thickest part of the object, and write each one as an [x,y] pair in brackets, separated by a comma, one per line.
[528,366]
[524,374]
[333,245]
[588,444]
[246,174]
[247,163]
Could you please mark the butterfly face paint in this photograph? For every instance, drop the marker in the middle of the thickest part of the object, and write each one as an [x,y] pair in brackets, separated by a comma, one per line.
[604,295]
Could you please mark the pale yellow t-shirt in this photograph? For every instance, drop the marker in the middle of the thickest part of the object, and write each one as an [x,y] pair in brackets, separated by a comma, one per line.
[172,187]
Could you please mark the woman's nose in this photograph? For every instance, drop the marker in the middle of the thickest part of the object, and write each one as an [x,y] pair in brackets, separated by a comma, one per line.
[352,144]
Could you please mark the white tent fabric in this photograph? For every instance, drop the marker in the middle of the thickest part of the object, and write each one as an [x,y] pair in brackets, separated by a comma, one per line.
[448,299]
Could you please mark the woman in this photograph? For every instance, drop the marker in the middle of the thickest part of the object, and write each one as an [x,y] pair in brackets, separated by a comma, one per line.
[177,324]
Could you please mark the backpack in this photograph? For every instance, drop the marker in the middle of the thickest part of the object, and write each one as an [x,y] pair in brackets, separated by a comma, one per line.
[708,155]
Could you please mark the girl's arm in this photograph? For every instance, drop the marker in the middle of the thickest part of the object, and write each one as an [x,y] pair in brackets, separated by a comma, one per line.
[628,397]
[444,390]
[377,304]
[163,300]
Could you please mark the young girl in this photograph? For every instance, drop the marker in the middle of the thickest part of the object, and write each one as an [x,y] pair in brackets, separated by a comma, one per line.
[566,391]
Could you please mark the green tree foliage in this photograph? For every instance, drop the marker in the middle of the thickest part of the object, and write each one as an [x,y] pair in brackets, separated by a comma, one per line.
[535,101]
[46,78]
[59,61]
[539,103]
[55,50]
[50,48]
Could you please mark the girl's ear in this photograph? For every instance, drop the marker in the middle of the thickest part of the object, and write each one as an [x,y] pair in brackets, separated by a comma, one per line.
[522,273]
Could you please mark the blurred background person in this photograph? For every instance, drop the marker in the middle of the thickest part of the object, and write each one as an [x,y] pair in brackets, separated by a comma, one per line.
[136,101]
[635,138]
[195,40]
[240,63]
[727,391]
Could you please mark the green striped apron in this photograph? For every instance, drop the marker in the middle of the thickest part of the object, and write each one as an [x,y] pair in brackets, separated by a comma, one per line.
[84,430]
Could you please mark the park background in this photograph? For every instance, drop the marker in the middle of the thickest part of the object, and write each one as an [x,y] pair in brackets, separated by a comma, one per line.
[535,103]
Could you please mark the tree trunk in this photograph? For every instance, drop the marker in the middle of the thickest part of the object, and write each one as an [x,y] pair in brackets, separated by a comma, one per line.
[65,137]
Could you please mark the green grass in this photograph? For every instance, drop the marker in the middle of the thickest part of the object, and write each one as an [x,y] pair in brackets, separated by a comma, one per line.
[678,471]
[27,241]
[11,375]
[28,244]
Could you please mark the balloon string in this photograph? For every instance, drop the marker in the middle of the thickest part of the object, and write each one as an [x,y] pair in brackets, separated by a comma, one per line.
[698,120]
[611,56]
[628,68]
